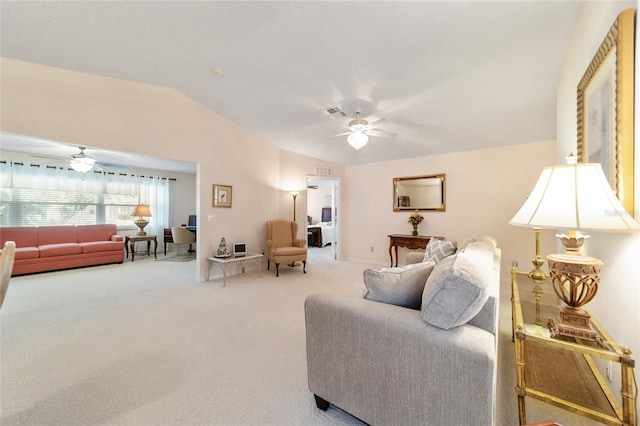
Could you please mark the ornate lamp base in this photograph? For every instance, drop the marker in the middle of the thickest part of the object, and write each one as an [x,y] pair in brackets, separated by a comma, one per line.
[575,280]
[564,327]
[141,223]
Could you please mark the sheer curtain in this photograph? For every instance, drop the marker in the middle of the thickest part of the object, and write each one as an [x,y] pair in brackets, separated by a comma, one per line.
[155,193]
[40,195]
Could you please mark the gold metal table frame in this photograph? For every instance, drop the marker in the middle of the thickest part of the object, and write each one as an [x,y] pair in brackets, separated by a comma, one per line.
[533,303]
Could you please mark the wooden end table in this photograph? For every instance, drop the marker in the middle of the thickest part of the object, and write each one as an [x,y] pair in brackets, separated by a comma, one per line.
[408,241]
[131,240]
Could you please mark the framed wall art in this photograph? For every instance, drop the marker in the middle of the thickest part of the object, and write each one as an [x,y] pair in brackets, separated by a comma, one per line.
[605,109]
[221,195]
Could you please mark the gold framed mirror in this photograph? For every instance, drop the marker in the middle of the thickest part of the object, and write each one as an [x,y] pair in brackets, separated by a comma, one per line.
[419,193]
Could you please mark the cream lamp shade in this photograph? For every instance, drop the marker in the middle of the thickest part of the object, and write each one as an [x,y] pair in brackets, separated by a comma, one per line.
[141,211]
[574,196]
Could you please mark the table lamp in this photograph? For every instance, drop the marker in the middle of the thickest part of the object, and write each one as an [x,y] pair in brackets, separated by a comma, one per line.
[575,197]
[141,211]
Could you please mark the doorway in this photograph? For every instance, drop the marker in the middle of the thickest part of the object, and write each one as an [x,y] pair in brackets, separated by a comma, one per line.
[323,209]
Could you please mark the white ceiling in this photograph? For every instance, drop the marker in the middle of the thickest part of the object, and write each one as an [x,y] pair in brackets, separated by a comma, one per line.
[447,75]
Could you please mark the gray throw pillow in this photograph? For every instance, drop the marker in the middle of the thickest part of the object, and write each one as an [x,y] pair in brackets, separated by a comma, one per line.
[456,290]
[400,286]
[478,237]
[437,250]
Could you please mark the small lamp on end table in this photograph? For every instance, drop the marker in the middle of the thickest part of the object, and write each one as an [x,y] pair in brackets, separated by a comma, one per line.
[575,197]
[141,211]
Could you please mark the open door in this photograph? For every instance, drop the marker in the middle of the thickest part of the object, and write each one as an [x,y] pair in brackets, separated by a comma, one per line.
[323,199]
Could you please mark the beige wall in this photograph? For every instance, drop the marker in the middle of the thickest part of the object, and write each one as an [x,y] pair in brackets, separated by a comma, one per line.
[114,114]
[484,189]
[617,304]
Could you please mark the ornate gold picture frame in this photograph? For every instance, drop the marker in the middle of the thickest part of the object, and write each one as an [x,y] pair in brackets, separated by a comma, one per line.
[222,195]
[605,109]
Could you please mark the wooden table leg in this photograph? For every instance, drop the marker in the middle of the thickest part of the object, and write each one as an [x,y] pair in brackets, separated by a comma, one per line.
[132,246]
[155,247]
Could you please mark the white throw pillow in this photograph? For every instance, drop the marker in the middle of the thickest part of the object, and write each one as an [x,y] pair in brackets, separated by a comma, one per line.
[456,289]
[437,250]
[400,286]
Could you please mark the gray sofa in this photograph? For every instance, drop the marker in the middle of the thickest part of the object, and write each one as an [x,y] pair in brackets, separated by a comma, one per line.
[388,365]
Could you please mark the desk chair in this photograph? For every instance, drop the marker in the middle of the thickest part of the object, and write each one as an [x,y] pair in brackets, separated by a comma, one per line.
[182,238]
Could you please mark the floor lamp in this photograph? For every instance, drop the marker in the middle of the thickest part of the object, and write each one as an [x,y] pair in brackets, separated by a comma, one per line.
[294,194]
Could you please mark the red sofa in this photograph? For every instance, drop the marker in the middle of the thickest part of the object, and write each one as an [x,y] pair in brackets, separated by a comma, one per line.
[50,248]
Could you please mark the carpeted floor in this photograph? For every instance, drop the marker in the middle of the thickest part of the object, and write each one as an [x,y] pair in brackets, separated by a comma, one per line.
[188,258]
[142,343]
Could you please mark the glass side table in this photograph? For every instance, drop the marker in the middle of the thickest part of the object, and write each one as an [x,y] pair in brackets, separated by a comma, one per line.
[562,370]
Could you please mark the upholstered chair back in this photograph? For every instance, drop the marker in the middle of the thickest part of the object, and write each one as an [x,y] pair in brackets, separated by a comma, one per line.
[182,238]
[282,232]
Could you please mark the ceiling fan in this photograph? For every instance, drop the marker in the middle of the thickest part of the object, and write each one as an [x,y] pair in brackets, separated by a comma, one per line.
[82,162]
[360,130]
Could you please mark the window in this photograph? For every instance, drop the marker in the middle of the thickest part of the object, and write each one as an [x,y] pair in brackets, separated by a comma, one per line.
[40,196]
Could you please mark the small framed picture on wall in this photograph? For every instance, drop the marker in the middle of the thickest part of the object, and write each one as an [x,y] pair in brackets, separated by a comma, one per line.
[221,195]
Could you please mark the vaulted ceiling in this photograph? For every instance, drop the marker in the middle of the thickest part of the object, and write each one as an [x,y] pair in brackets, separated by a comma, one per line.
[444,75]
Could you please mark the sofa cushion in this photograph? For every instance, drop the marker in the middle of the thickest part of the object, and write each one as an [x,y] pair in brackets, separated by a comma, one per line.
[51,250]
[27,253]
[102,232]
[56,235]
[100,246]
[437,250]
[23,236]
[400,286]
[457,289]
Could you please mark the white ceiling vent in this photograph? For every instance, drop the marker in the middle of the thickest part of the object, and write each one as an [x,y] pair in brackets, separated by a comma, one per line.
[323,171]
[335,112]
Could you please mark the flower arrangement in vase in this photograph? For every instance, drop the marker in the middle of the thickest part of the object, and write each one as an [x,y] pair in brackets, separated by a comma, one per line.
[415,219]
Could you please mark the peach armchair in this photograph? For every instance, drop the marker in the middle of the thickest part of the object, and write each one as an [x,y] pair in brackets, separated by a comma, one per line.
[283,246]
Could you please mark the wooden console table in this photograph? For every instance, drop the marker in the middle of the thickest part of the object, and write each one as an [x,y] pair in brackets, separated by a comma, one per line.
[408,241]
[562,371]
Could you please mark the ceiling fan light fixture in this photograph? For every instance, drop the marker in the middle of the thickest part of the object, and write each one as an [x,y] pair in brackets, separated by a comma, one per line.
[81,162]
[357,139]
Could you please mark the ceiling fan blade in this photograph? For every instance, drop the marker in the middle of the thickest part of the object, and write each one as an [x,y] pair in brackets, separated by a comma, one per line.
[378,123]
[111,166]
[61,159]
[381,134]
[340,134]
